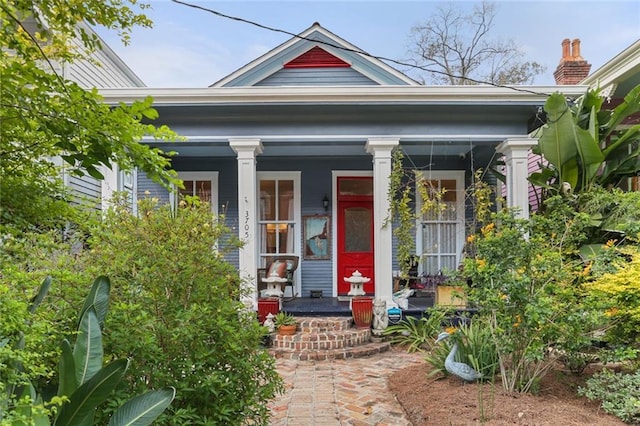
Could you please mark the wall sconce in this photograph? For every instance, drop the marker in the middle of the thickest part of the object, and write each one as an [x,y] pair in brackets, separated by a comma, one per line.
[325,203]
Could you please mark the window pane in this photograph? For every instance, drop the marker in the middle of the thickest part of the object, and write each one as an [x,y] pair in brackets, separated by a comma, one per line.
[357,222]
[188,188]
[430,238]
[286,238]
[203,190]
[285,200]
[430,265]
[356,186]
[450,190]
[448,238]
[267,200]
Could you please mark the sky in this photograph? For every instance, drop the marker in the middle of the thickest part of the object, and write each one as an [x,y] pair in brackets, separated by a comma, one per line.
[193,48]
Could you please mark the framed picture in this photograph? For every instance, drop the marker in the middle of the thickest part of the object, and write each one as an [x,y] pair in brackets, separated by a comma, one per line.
[317,237]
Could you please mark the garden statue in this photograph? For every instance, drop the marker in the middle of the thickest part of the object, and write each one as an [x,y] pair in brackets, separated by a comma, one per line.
[269,323]
[380,316]
[459,369]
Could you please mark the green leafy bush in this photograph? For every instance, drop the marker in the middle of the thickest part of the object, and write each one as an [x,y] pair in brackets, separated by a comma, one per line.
[618,295]
[177,313]
[416,334]
[525,287]
[619,393]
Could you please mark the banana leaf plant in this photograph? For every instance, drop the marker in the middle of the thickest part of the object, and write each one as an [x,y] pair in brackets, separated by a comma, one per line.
[85,383]
[583,144]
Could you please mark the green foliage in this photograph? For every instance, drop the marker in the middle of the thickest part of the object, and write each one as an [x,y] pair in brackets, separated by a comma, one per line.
[416,334]
[46,118]
[23,354]
[524,287]
[177,313]
[284,318]
[573,143]
[476,348]
[83,383]
[402,212]
[619,393]
[618,295]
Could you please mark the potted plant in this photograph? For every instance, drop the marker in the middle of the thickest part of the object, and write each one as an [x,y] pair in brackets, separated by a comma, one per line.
[285,323]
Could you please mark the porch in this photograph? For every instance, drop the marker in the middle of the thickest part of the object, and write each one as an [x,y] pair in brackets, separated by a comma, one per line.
[338,306]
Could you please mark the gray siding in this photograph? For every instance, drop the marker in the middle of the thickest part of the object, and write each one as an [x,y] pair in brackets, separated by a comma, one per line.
[108,71]
[85,190]
[227,190]
[317,77]
[148,188]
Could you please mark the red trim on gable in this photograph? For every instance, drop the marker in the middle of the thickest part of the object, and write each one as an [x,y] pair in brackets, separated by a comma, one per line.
[317,58]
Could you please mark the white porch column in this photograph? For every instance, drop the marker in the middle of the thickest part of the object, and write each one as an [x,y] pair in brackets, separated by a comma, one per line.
[381,149]
[246,150]
[516,157]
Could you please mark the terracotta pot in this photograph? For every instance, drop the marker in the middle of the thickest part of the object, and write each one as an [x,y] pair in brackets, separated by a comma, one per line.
[362,311]
[287,330]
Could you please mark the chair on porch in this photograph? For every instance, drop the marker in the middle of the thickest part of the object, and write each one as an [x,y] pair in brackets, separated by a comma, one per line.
[277,276]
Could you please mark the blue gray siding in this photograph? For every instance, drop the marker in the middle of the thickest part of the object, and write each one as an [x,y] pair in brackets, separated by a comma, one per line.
[317,77]
[148,188]
[85,190]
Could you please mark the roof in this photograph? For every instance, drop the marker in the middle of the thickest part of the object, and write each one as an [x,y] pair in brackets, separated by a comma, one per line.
[313,38]
[620,74]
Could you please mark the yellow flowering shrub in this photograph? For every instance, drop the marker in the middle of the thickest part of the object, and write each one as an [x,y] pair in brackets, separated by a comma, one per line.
[617,294]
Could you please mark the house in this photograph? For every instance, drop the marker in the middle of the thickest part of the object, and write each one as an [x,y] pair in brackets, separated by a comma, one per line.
[616,79]
[295,148]
[103,69]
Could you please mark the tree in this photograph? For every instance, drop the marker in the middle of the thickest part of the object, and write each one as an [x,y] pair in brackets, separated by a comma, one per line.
[45,117]
[457,49]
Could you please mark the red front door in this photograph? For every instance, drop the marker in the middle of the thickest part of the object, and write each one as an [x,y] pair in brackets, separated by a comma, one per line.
[355,232]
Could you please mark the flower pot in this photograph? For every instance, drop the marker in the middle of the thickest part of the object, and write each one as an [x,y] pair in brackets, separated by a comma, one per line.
[266,306]
[449,295]
[287,330]
[362,311]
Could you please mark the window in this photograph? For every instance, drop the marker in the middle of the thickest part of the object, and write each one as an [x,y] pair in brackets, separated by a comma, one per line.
[440,236]
[127,184]
[204,185]
[278,214]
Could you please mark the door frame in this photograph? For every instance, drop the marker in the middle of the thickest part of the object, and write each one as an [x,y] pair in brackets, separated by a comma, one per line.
[335,174]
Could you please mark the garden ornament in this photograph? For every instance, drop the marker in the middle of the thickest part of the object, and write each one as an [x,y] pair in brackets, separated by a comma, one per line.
[380,316]
[459,369]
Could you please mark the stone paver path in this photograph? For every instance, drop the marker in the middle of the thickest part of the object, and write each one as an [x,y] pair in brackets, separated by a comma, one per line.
[340,392]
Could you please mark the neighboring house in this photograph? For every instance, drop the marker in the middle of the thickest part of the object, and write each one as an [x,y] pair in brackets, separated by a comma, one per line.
[313,118]
[616,78]
[105,70]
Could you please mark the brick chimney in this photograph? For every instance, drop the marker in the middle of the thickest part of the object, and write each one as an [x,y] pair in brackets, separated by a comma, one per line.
[572,68]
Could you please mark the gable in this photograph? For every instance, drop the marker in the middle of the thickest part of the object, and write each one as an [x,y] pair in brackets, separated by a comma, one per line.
[315,57]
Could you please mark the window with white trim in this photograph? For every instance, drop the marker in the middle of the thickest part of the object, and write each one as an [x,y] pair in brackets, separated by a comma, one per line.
[278,214]
[440,236]
[204,185]
[126,182]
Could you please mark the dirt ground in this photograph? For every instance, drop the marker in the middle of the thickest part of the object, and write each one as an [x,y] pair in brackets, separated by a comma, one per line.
[446,401]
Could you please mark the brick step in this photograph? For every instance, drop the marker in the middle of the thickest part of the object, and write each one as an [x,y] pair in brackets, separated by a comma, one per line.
[323,325]
[339,339]
[329,354]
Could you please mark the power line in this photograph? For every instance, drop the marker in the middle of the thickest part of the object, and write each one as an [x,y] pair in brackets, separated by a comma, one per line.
[347,49]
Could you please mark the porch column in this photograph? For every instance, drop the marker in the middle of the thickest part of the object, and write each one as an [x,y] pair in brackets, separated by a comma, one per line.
[516,158]
[246,150]
[381,149]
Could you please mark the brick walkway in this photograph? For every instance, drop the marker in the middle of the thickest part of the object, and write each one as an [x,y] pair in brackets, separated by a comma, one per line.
[340,392]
